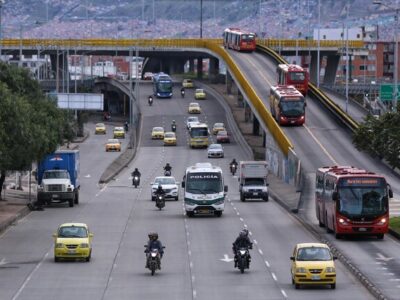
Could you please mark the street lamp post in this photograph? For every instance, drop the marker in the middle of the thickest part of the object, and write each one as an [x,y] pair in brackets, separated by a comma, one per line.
[318,43]
[347,56]
[396,52]
[1,37]
[201,19]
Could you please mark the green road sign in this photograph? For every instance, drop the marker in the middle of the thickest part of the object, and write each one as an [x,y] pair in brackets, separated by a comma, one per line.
[386,92]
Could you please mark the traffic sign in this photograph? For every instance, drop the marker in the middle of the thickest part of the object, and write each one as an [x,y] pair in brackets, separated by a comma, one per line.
[386,92]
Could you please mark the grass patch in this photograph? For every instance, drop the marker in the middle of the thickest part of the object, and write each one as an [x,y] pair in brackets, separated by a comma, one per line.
[394,224]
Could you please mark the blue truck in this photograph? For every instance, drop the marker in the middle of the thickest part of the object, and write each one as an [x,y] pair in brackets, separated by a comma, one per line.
[58,178]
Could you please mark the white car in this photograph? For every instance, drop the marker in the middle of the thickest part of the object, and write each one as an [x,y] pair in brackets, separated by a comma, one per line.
[192,120]
[215,150]
[169,185]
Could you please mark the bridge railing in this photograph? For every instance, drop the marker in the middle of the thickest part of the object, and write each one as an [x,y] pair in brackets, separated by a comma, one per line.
[174,43]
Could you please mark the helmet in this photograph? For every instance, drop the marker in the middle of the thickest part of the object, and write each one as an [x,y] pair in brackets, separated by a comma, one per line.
[160,187]
[244,233]
[173,121]
[167,164]
[136,169]
[153,236]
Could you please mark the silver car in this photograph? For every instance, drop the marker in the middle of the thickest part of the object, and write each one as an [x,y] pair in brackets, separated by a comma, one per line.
[169,185]
[215,150]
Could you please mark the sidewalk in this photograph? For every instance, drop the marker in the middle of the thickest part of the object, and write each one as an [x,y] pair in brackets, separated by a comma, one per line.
[14,204]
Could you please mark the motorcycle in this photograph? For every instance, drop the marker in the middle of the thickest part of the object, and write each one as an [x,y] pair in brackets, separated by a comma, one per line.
[173,127]
[167,173]
[150,100]
[243,259]
[183,93]
[160,201]
[135,181]
[153,260]
[233,169]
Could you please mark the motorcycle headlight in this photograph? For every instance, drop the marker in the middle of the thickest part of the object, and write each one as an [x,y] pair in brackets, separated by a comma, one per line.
[242,252]
[59,245]
[84,245]
[301,270]
[153,254]
[330,270]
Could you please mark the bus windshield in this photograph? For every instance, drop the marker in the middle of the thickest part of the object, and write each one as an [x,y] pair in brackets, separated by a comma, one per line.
[247,37]
[204,183]
[199,132]
[292,108]
[297,76]
[164,86]
[362,201]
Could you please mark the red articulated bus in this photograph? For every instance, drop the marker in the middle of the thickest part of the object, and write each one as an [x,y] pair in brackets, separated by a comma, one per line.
[239,40]
[351,201]
[287,105]
[293,75]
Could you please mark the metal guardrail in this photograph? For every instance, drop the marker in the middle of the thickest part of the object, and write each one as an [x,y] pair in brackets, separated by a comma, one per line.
[318,94]
[175,43]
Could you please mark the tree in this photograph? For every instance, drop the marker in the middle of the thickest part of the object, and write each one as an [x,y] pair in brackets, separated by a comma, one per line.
[381,137]
[31,125]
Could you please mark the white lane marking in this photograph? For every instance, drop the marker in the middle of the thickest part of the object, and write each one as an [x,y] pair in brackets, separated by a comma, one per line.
[193,278]
[284,293]
[274,276]
[394,279]
[267,263]
[238,213]
[194,293]
[321,146]
[30,276]
[226,258]
[388,274]
[383,258]
[241,219]
[260,251]
[255,242]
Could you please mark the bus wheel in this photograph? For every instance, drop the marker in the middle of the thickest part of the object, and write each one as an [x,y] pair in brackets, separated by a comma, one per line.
[380,236]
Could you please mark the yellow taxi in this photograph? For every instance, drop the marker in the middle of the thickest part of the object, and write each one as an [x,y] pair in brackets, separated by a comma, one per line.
[218,127]
[313,264]
[187,83]
[113,145]
[157,133]
[194,108]
[71,241]
[119,132]
[170,139]
[199,94]
[100,128]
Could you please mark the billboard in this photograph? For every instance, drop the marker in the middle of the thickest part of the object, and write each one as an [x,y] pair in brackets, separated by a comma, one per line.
[81,101]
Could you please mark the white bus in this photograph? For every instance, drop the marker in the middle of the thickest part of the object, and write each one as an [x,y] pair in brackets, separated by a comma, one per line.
[204,190]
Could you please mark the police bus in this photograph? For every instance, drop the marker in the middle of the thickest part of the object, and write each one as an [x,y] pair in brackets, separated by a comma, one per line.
[204,190]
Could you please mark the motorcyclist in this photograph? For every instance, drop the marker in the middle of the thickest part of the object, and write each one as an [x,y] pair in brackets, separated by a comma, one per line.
[233,164]
[135,173]
[150,100]
[173,126]
[242,241]
[159,190]
[126,125]
[183,92]
[154,243]
[168,168]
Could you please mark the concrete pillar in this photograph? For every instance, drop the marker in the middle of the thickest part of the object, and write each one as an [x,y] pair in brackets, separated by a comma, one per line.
[240,101]
[331,69]
[214,70]
[191,65]
[313,67]
[247,112]
[229,82]
[199,68]
[256,126]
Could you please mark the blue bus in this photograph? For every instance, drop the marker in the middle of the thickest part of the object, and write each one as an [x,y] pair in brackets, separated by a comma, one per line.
[162,85]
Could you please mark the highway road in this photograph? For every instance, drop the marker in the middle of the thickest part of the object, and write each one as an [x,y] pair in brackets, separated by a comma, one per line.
[323,141]
[197,263]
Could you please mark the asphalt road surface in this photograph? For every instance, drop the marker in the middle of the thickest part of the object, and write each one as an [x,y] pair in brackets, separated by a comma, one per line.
[198,257]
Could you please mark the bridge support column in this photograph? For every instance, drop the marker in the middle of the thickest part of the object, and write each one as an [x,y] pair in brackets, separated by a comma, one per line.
[314,73]
[229,82]
[331,69]
[213,70]
[256,126]
[191,65]
[247,112]
[240,101]
[199,68]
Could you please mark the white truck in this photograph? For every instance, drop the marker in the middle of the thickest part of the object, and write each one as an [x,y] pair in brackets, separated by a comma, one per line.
[253,180]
